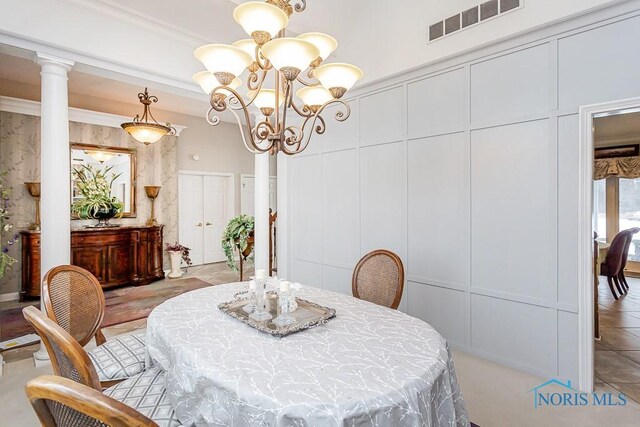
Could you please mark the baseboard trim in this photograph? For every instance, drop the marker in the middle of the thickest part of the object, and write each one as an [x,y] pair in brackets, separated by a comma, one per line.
[13,296]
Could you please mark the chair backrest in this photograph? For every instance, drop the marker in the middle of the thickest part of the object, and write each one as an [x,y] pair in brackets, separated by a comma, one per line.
[73,298]
[68,358]
[60,402]
[625,252]
[615,254]
[379,278]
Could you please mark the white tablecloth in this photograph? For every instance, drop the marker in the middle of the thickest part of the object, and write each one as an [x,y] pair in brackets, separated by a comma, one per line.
[369,366]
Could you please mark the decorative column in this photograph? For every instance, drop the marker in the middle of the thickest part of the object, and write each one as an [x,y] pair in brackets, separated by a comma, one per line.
[261,211]
[55,165]
[283,216]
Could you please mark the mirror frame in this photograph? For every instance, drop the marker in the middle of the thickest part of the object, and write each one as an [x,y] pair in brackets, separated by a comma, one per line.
[118,150]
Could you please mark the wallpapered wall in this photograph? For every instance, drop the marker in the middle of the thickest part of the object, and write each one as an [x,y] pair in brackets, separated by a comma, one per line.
[157,164]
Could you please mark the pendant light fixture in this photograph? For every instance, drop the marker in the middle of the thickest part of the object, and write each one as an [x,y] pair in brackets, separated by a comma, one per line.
[141,129]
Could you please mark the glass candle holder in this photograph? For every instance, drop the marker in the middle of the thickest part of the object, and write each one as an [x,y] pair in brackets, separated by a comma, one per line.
[262,309]
[285,299]
[250,307]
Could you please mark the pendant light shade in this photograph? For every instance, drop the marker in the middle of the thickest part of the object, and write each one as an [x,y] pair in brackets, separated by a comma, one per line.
[338,77]
[208,82]
[314,96]
[266,98]
[324,42]
[248,45]
[100,156]
[260,17]
[149,133]
[223,59]
[290,53]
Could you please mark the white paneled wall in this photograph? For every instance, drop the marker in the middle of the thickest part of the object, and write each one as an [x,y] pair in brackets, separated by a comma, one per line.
[469,173]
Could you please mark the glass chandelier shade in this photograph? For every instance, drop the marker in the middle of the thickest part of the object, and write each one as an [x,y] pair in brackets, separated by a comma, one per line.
[290,53]
[324,42]
[248,45]
[208,82]
[314,96]
[225,59]
[338,77]
[147,134]
[259,17]
[265,100]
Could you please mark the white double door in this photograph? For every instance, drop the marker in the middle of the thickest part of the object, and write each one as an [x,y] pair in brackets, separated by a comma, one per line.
[206,204]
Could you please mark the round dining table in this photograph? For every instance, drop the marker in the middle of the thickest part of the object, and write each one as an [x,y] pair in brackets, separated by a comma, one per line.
[368,366]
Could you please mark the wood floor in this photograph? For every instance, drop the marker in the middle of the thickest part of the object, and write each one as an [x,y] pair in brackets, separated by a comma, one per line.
[618,351]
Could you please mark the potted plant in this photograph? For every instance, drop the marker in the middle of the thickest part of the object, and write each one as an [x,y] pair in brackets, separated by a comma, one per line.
[96,201]
[238,235]
[6,260]
[177,254]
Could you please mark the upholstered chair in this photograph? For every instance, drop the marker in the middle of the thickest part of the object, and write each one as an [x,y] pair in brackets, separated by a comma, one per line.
[61,402]
[73,298]
[625,255]
[612,264]
[144,392]
[379,278]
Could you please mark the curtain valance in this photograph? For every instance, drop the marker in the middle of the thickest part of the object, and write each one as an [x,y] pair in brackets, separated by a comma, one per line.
[622,167]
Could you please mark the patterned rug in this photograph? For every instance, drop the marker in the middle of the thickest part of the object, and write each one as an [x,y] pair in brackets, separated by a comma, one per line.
[122,305]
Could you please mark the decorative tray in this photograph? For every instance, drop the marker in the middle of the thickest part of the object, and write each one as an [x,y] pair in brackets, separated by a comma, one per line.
[308,315]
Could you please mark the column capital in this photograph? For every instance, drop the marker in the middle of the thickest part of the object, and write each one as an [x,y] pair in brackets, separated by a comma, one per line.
[44,59]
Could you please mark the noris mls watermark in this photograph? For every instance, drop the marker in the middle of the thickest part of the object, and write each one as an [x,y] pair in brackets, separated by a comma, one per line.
[546,395]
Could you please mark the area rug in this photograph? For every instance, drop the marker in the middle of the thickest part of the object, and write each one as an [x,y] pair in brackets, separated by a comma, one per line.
[122,305]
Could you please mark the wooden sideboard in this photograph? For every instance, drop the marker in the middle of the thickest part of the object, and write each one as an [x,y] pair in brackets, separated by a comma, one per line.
[127,255]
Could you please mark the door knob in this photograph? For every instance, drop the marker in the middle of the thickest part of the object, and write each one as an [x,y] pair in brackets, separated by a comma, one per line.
[208,223]
[199,224]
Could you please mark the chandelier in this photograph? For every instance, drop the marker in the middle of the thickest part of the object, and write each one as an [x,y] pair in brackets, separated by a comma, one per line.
[269,51]
[141,128]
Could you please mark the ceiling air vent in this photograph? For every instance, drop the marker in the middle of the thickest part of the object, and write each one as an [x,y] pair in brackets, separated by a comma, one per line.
[452,24]
[488,9]
[436,30]
[470,17]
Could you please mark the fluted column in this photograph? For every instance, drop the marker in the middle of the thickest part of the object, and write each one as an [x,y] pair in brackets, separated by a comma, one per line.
[55,235]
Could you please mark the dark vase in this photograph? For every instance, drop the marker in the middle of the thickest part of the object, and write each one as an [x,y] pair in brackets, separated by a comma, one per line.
[104,215]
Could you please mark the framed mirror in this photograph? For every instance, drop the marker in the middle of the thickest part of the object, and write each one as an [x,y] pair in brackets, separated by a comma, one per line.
[121,161]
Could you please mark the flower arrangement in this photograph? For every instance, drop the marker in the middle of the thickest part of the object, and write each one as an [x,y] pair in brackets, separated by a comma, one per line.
[6,260]
[236,236]
[177,247]
[95,187]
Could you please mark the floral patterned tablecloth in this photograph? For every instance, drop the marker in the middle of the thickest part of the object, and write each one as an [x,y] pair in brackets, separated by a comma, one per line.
[369,366]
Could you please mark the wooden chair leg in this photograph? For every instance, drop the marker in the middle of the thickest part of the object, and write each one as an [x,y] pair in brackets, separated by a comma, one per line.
[613,292]
[623,279]
[615,280]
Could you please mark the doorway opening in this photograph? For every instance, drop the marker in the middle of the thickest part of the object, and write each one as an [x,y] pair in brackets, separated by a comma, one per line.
[609,247]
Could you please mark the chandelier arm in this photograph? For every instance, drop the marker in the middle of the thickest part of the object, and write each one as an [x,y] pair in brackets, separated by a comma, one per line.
[266,65]
[301,6]
[305,111]
[303,141]
[288,95]
[221,106]
[255,89]
[307,83]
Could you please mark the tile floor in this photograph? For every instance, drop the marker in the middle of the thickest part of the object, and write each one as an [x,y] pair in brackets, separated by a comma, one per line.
[618,351]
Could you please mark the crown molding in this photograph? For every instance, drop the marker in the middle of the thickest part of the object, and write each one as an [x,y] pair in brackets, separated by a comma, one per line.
[139,19]
[32,108]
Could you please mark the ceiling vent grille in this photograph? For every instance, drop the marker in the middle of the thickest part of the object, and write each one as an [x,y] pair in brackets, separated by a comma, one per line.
[470,17]
[452,24]
[488,10]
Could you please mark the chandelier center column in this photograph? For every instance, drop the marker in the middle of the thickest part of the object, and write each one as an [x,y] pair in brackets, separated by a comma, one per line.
[54,168]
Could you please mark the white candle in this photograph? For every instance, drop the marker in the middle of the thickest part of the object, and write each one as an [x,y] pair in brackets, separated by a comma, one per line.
[252,285]
[261,274]
[285,286]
